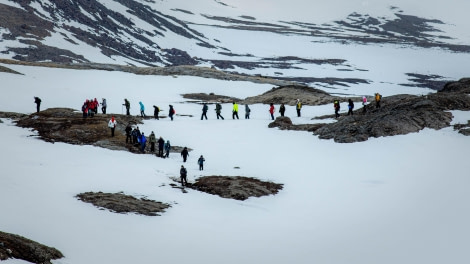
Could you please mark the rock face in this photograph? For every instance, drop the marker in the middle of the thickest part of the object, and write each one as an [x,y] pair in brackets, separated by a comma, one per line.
[14,246]
[284,123]
[399,115]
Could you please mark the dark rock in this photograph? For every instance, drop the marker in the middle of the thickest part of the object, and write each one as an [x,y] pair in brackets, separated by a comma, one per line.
[14,246]
[238,188]
[121,203]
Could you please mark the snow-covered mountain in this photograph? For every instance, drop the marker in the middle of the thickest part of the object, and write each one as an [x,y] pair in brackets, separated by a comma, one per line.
[242,37]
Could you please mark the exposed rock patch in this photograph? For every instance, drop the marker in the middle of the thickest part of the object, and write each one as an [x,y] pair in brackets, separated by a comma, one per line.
[285,123]
[121,203]
[18,247]
[290,93]
[68,126]
[211,98]
[399,115]
[238,188]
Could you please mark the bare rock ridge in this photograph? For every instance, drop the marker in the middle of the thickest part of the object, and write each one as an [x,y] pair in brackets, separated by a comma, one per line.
[14,246]
[398,115]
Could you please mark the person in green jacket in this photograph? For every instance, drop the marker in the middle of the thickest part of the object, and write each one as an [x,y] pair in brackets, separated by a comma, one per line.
[235,110]
[152,140]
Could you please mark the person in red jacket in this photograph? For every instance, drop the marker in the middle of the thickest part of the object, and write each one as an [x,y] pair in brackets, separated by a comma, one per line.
[271,110]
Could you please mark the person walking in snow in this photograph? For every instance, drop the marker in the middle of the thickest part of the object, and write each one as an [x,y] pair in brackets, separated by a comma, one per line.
[218,110]
[85,109]
[152,140]
[167,148]
[112,124]
[247,111]
[183,176]
[128,133]
[95,106]
[103,106]
[171,112]
[235,110]
[127,104]
[350,107]
[142,109]
[271,110]
[282,109]
[143,142]
[364,104]
[200,161]
[378,98]
[185,154]
[298,107]
[161,145]
[156,111]
[204,111]
[337,106]
[37,101]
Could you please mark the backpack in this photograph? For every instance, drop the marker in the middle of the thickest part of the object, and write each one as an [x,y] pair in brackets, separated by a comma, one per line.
[173,111]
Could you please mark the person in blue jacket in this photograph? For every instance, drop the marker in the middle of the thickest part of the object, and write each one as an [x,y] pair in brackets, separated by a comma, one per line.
[143,141]
[142,109]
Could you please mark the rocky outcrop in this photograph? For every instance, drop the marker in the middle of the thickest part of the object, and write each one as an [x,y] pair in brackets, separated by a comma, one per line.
[285,123]
[290,93]
[399,115]
[18,247]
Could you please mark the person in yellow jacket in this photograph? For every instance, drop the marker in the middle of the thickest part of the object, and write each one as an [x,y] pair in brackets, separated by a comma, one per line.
[298,106]
[235,110]
[378,98]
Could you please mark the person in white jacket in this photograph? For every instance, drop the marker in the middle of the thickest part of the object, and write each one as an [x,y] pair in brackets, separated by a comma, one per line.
[112,124]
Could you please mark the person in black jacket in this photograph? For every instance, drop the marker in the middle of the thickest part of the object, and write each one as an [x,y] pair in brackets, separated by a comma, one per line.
[37,101]
[185,154]
[204,111]
[161,144]
[183,175]
[128,133]
[282,109]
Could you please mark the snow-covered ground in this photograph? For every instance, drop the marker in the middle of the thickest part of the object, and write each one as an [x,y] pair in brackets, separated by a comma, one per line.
[399,199]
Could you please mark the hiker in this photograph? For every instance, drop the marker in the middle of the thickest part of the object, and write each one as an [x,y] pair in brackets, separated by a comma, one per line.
[142,109]
[127,104]
[161,145]
[128,133]
[143,141]
[185,154]
[378,98]
[91,107]
[152,140]
[218,109]
[200,161]
[183,175]
[138,136]
[95,106]
[271,110]
[282,109]
[204,111]
[112,124]
[37,101]
[103,106]
[337,106]
[171,112]
[247,111]
[156,110]
[134,136]
[364,103]
[235,110]
[350,107]
[298,106]
[167,148]
[85,109]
